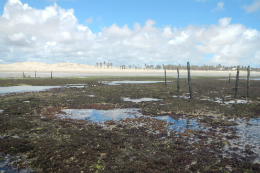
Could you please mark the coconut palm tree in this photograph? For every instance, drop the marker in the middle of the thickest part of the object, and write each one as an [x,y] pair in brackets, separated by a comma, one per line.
[104,64]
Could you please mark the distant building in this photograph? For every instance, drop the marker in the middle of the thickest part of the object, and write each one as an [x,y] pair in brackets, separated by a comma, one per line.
[220,69]
[233,69]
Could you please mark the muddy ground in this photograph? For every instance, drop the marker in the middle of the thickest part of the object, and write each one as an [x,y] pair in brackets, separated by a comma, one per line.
[46,143]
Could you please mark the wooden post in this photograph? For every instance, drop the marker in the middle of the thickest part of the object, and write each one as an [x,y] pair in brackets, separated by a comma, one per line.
[23,74]
[237,78]
[165,75]
[229,77]
[51,74]
[248,81]
[178,83]
[189,80]
[35,74]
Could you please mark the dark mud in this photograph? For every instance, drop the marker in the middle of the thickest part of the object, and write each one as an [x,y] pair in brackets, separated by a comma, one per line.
[51,144]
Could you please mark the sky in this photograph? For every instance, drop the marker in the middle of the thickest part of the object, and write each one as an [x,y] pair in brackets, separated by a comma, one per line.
[131,32]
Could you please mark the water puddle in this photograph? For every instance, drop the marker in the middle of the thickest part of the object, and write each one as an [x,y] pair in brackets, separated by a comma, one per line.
[140,100]
[128,82]
[249,139]
[6,164]
[24,88]
[1,111]
[226,100]
[99,116]
[181,124]
[243,78]
[76,85]
[183,96]
[91,95]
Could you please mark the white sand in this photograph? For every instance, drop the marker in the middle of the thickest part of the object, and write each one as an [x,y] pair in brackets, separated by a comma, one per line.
[73,69]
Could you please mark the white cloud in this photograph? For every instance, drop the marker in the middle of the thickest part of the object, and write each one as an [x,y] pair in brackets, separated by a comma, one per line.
[220,6]
[89,20]
[53,35]
[255,6]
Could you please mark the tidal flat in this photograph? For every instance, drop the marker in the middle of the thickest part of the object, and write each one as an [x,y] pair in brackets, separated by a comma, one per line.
[93,128]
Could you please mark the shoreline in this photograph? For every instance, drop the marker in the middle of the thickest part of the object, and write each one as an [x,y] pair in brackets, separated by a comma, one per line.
[117,72]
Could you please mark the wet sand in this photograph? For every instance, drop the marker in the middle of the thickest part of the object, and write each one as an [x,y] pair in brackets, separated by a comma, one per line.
[6,73]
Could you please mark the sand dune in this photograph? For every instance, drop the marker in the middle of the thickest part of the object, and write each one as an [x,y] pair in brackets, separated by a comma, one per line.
[90,70]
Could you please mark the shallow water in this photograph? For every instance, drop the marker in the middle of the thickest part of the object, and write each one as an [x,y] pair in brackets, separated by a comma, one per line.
[5,165]
[128,82]
[1,111]
[249,137]
[140,100]
[25,88]
[100,116]
[181,124]
[242,78]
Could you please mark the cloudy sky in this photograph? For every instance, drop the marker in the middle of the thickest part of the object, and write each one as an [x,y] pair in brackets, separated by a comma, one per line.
[127,32]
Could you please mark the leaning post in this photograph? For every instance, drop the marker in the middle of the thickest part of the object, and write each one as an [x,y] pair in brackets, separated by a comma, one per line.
[189,80]
[229,77]
[237,78]
[248,81]
[51,74]
[35,74]
[165,75]
[178,83]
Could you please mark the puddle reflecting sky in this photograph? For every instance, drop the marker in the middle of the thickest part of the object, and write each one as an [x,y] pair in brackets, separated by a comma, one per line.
[181,124]
[128,82]
[100,116]
[242,78]
[140,100]
[24,88]
[248,131]
[248,135]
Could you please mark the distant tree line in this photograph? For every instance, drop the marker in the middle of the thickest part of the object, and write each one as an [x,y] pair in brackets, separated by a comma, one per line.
[108,65]
[218,67]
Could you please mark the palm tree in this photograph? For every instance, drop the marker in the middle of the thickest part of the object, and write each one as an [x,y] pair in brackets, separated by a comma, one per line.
[111,65]
[97,64]
[104,64]
[100,64]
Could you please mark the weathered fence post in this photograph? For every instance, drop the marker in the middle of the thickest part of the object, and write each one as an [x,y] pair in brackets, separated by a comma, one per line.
[51,74]
[229,77]
[189,80]
[237,78]
[35,74]
[248,81]
[23,74]
[165,75]
[178,83]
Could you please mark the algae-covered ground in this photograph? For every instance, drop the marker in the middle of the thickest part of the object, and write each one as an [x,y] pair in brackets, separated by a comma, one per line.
[46,143]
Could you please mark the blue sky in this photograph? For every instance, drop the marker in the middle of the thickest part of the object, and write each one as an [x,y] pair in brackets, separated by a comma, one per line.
[126,32]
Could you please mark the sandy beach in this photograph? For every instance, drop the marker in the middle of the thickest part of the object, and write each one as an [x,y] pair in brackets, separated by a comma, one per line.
[81,70]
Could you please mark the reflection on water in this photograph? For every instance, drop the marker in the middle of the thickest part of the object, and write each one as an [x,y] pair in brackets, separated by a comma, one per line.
[249,137]
[140,100]
[181,124]
[1,111]
[128,82]
[242,78]
[99,116]
[6,164]
[24,88]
